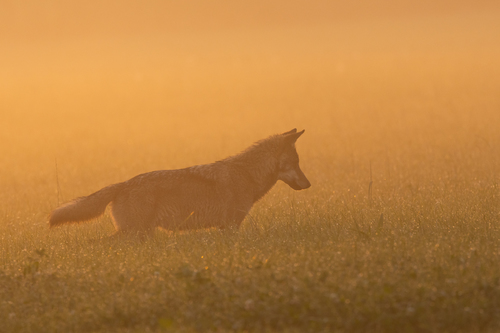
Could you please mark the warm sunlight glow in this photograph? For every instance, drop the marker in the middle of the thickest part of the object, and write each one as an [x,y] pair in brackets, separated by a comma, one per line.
[400,102]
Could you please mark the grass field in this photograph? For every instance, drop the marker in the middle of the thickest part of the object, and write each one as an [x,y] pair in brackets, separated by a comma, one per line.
[400,231]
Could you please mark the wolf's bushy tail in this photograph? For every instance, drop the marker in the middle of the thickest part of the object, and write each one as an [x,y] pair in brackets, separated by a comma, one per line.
[84,208]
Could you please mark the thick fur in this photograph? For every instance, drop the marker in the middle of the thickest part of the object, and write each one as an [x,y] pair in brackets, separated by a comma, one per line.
[219,194]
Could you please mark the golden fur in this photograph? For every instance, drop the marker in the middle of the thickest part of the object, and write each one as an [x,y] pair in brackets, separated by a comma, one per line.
[218,194]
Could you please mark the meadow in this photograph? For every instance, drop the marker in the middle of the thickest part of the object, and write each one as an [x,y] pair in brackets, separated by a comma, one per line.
[400,231]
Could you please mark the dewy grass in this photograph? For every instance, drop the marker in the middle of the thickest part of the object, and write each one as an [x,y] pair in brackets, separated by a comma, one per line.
[400,231]
[289,277]
[323,264]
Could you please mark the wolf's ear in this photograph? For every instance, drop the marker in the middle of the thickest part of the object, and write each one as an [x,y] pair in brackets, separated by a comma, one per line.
[292,136]
[290,132]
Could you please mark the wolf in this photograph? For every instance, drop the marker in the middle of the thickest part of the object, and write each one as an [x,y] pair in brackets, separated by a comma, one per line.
[218,194]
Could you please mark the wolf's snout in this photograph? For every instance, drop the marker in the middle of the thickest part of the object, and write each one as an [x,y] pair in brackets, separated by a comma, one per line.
[299,184]
[302,180]
[296,179]
[304,183]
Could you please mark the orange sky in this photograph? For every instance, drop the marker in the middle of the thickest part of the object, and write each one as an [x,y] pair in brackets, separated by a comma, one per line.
[49,20]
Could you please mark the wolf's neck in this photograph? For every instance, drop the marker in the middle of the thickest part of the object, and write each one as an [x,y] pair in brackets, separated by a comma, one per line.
[260,165]
[263,181]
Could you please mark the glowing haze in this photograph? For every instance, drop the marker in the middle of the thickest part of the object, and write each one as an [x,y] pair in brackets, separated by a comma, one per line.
[400,102]
[111,89]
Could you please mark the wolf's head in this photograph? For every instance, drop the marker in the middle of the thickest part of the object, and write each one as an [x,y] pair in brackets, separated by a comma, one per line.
[289,170]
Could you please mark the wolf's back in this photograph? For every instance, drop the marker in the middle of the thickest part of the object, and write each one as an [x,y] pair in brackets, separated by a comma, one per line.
[84,208]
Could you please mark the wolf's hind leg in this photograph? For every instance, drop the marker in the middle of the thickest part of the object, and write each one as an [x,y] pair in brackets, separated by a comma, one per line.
[133,215]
